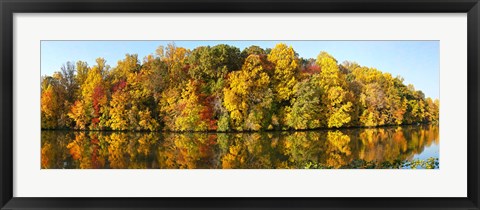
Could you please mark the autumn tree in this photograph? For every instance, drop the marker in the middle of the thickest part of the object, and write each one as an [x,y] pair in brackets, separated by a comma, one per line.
[306,109]
[132,100]
[49,108]
[285,71]
[87,111]
[194,112]
[175,59]
[336,98]
[253,50]
[248,96]
[58,94]
[209,66]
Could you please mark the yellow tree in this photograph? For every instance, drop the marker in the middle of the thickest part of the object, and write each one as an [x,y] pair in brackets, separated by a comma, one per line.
[433,109]
[82,72]
[248,97]
[336,95]
[286,71]
[119,108]
[168,107]
[190,108]
[57,95]
[49,108]
[132,100]
[78,114]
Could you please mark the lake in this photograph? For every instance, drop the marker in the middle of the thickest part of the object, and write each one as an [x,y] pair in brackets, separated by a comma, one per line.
[414,146]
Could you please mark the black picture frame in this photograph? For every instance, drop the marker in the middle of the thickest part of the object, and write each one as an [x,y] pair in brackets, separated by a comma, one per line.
[9,7]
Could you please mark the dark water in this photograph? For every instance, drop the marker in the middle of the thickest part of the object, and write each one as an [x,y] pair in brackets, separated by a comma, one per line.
[390,147]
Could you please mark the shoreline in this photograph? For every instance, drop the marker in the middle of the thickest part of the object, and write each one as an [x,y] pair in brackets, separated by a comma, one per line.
[235,132]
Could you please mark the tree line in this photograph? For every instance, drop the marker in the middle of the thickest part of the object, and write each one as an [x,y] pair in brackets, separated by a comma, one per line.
[221,88]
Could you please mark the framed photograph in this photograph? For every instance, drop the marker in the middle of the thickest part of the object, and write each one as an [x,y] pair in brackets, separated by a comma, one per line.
[239,105]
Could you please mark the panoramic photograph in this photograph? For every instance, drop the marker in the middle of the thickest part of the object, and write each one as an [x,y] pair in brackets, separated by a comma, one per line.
[277,104]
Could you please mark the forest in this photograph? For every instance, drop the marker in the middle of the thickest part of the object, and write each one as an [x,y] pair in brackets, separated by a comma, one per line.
[224,89]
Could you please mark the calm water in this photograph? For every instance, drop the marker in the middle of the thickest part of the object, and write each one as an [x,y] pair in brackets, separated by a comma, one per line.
[389,147]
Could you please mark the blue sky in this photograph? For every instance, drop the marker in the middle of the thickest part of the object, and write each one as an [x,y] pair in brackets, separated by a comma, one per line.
[416,61]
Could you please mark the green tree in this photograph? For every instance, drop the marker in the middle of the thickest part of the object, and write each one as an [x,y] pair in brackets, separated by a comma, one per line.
[305,112]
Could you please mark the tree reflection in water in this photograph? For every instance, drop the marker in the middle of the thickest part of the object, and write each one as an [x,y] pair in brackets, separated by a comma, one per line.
[389,147]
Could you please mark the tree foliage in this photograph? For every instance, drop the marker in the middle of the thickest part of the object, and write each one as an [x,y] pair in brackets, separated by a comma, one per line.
[220,88]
